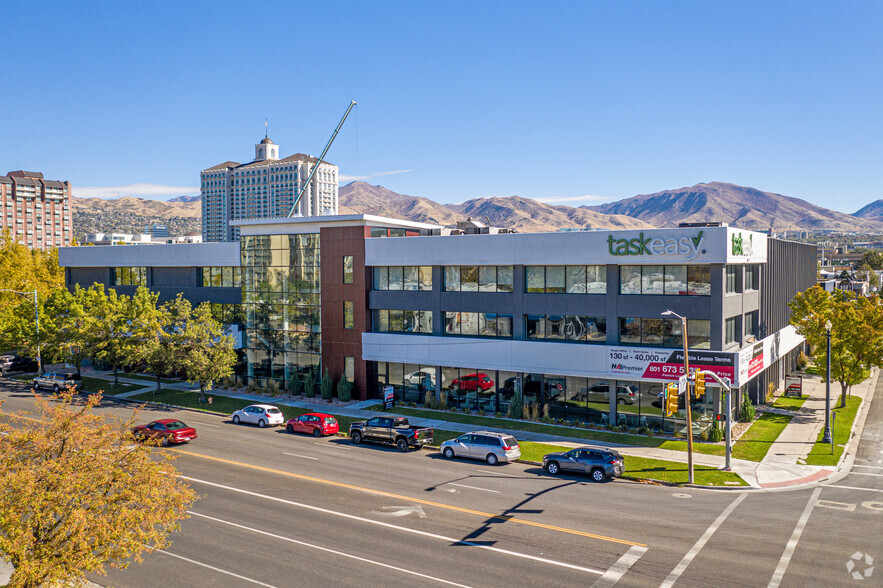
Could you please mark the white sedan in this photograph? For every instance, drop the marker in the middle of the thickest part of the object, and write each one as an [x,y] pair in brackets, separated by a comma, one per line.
[260,415]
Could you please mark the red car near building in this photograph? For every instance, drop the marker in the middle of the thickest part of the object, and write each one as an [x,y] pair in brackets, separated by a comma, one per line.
[316,424]
[472,382]
[167,430]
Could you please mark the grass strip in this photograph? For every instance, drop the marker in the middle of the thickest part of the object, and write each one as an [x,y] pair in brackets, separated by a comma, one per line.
[789,402]
[573,432]
[93,385]
[756,441]
[149,378]
[642,468]
[841,427]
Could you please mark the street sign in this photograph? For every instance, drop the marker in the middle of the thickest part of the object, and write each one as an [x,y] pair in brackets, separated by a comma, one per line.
[389,397]
[683,383]
[794,386]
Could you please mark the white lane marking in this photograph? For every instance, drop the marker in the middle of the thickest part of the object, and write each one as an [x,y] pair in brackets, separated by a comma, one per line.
[199,563]
[335,445]
[401,511]
[852,487]
[473,487]
[206,425]
[448,540]
[865,474]
[299,455]
[497,474]
[858,465]
[792,543]
[618,569]
[676,573]
[847,506]
[328,550]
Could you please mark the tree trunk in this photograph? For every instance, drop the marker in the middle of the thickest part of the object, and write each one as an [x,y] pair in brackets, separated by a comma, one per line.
[843,389]
[158,384]
[116,377]
[79,362]
[202,393]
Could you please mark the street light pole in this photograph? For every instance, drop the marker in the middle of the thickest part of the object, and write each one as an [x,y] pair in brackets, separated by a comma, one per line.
[826,438]
[686,397]
[36,323]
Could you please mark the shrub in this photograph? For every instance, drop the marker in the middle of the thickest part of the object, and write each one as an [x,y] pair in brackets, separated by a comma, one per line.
[716,434]
[310,383]
[703,436]
[545,411]
[534,412]
[516,408]
[443,401]
[344,390]
[746,411]
[643,431]
[429,399]
[498,414]
[251,387]
[326,385]
[802,361]
[294,384]
[272,388]
[770,389]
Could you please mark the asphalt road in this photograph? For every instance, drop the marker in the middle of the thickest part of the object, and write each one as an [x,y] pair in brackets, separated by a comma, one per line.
[282,510]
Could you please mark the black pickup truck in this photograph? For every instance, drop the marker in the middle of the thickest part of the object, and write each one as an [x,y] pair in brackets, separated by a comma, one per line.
[395,430]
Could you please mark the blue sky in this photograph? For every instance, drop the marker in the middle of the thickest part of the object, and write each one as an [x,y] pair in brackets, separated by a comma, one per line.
[582,102]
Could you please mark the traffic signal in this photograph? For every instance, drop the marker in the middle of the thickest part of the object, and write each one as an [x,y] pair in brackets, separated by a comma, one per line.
[700,383]
[671,399]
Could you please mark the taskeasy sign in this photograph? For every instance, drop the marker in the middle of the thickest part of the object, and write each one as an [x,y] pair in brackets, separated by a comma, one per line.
[666,364]
[689,246]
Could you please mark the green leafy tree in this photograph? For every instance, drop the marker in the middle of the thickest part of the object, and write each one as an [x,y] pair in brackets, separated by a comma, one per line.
[71,334]
[76,495]
[872,259]
[205,352]
[856,332]
[148,343]
[106,327]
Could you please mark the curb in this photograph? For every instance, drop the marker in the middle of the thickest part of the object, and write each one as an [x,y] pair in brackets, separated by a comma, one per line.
[847,458]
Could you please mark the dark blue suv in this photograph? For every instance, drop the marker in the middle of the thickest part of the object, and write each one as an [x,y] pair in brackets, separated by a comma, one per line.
[599,462]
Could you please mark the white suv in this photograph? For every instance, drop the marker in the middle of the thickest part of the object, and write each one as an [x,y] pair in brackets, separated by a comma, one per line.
[259,414]
[57,381]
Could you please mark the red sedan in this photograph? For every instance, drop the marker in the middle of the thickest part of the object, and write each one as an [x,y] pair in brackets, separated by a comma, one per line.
[472,382]
[166,430]
[313,423]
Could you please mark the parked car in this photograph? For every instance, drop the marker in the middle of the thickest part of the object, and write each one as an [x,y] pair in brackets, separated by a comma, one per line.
[166,430]
[259,414]
[489,446]
[625,393]
[425,376]
[56,381]
[472,382]
[313,423]
[391,430]
[600,462]
[17,363]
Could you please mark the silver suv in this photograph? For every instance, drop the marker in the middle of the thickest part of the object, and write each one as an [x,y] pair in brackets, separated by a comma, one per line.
[491,447]
[56,381]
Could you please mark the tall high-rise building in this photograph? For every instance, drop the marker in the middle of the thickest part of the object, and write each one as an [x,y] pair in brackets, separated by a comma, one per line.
[263,188]
[36,212]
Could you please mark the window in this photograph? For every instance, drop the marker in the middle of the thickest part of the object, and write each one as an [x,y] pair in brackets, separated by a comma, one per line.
[400,277]
[752,277]
[671,280]
[732,282]
[732,330]
[655,332]
[221,277]
[403,321]
[348,269]
[751,324]
[477,278]
[130,276]
[478,324]
[570,279]
[348,314]
[582,329]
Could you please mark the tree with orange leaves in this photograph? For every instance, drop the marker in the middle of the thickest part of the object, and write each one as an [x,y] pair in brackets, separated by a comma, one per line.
[78,494]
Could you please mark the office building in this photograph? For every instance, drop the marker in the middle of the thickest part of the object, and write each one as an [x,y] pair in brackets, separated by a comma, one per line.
[36,211]
[264,188]
[570,320]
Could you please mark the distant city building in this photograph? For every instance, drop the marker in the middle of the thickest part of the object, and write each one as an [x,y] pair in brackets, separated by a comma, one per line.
[35,211]
[157,230]
[264,188]
[137,239]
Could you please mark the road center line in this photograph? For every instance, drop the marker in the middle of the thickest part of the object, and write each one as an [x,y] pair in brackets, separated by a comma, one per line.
[622,565]
[792,543]
[473,487]
[199,563]
[449,540]
[485,515]
[676,573]
[328,550]
[299,455]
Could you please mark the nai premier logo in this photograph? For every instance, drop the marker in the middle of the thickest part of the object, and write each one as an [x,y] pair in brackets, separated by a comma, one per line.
[687,246]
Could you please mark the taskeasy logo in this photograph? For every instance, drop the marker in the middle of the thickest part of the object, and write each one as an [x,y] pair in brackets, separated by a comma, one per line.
[742,246]
[689,247]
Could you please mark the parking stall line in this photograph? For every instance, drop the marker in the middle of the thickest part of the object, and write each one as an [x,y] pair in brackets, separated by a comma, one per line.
[694,551]
[473,487]
[497,474]
[299,455]
[329,550]
[448,540]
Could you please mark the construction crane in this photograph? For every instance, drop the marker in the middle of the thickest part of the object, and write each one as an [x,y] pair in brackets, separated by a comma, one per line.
[321,158]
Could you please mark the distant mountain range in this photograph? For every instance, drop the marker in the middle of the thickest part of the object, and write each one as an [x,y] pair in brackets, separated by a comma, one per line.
[739,206]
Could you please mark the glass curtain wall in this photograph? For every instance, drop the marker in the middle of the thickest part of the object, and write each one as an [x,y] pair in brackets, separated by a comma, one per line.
[281,298]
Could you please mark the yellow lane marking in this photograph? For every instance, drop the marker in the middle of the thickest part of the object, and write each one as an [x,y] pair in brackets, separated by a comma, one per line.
[411,499]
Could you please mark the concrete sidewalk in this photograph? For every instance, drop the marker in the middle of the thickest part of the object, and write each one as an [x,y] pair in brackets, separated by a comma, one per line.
[781,467]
